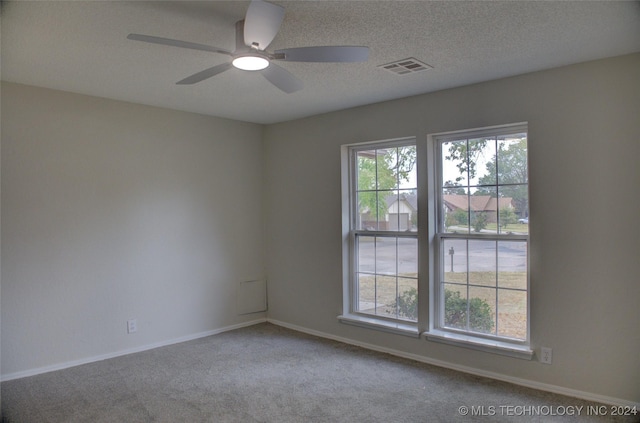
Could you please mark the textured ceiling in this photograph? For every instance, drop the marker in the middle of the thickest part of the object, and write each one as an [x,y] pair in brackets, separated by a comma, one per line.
[81,46]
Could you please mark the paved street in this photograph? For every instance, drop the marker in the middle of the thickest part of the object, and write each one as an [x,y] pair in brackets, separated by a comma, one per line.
[380,256]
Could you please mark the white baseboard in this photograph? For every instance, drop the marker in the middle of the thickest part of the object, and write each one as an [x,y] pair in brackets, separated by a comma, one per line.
[588,396]
[73,363]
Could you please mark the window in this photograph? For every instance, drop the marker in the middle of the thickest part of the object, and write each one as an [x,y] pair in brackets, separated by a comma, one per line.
[473,238]
[482,234]
[383,231]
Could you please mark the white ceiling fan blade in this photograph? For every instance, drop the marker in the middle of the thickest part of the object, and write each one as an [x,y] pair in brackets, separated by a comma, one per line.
[176,43]
[324,54]
[202,75]
[262,23]
[282,78]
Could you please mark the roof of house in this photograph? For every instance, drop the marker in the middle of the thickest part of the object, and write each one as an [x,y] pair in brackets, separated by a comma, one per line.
[411,199]
[476,202]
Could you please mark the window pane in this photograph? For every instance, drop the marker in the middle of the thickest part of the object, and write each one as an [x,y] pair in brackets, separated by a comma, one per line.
[507,216]
[366,291]
[484,210]
[482,263]
[366,254]
[386,256]
[455,207]
[482,309]
[386,291]
[367,218]
[381,205]
[454,163]
[386,276]
[408,299]
[388,219]
[366,174]
[519,204]
[387,165]
[512,174]
[455,306]
[512,264]
[512,313]
[408,257]
[512,159]
[482,153]
[407,173]
[455,260]
[403,212]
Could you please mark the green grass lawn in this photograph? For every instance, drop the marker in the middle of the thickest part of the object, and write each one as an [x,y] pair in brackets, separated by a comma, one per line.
[519,228]
[512,227]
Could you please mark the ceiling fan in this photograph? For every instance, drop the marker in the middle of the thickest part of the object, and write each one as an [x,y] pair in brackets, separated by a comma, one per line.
[253,36]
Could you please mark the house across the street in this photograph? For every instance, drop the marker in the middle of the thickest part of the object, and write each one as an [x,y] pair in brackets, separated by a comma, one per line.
[401,214]
[478,204]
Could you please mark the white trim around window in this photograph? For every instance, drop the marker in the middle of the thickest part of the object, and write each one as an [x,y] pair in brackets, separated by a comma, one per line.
[371,238]
[380,235]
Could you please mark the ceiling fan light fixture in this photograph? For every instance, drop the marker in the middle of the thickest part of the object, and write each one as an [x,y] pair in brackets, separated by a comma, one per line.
[253,35]
[250,63]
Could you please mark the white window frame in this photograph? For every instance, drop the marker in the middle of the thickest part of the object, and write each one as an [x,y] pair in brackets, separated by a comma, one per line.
[437,331]
[429,248]
[350,314]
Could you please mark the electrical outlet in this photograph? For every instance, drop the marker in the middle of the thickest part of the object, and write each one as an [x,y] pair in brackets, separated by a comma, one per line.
[546,355]
[132,326]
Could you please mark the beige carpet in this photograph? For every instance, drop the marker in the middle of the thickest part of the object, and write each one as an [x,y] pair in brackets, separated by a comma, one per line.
[266,373]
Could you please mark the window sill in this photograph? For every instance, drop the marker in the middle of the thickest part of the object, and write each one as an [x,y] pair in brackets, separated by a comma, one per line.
[405,329]
[487,345]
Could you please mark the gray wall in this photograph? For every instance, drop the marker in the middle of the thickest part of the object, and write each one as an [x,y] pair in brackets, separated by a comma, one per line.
[114,211]
[584,147]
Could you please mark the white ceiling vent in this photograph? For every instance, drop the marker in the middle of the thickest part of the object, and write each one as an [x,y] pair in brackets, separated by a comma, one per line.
[406,66]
